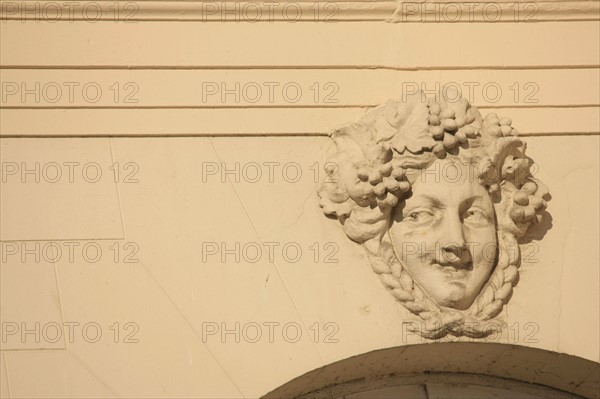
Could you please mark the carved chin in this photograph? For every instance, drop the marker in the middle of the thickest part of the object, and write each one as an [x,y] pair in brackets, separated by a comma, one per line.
[454,296]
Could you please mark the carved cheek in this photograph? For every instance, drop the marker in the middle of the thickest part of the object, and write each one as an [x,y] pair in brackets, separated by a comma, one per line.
[415,233]
[405,237]
[483,244]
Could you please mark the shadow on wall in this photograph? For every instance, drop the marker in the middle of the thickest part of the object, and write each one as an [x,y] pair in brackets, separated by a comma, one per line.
[539,230]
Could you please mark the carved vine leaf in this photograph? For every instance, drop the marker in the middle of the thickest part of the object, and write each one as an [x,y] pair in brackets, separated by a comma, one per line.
[414,133]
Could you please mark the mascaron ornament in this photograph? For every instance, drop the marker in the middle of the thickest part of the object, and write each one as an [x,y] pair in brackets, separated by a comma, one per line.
[438,196]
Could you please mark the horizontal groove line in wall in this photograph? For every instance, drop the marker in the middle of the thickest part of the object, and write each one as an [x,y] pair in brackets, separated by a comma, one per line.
[369,2]
[238,107]
[63,239]
[292,67]
[238,135]
[63,348]
[349,19]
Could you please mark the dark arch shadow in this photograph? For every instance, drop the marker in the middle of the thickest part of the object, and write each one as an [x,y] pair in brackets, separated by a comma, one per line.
[502,365]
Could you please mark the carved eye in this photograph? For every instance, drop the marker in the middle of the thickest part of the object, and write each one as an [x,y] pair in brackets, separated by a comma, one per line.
[476,216]
[419,216]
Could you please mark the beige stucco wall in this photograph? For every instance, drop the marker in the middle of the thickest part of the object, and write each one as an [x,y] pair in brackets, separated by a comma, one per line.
[161,210]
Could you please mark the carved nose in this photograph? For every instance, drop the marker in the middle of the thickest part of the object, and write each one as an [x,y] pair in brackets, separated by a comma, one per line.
[454,253]
[453,247]
[454,242]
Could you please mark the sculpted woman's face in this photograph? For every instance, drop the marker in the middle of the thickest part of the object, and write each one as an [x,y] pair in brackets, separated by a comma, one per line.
[445,233]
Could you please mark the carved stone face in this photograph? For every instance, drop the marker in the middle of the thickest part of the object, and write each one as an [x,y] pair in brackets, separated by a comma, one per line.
[445,233]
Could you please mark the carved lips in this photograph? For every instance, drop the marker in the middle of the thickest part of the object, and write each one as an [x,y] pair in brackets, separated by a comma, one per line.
[454,271]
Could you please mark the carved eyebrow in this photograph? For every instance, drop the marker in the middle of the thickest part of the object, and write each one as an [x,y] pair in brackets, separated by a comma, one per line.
[469,201]
[473,198]
[436,203]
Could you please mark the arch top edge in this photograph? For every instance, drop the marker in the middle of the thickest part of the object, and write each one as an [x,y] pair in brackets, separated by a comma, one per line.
[546,369]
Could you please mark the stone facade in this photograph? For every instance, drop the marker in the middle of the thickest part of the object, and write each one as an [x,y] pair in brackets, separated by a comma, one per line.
[164,170]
